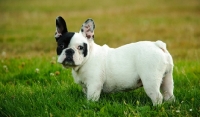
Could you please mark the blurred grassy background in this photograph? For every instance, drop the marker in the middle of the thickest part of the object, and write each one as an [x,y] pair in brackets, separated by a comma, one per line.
[27,27]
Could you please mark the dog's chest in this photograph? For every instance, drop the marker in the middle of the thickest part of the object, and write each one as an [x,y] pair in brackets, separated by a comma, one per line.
[80,77]
[77,77]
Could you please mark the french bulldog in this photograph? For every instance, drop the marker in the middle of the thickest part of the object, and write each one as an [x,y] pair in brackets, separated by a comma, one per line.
[103,69]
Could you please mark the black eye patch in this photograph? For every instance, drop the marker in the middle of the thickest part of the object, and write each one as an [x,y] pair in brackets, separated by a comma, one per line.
[63,41]
[85,50]
[59,51]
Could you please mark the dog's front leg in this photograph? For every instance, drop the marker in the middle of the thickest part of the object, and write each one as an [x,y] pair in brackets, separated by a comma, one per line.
[84,88]
[93,91]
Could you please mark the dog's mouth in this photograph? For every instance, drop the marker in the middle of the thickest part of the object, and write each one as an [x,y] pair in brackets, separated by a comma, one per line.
[68,64]
[66,61]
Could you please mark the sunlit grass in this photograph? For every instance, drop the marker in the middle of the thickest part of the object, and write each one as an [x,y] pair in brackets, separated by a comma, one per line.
[33,84]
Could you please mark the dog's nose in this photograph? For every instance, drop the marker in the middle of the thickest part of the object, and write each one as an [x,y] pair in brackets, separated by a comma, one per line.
[69,52]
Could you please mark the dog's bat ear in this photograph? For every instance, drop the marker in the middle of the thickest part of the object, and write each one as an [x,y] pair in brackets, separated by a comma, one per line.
[61,27]
[87,29]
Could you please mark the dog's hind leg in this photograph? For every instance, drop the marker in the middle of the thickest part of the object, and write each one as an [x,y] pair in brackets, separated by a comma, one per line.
[167,87]
[151,85]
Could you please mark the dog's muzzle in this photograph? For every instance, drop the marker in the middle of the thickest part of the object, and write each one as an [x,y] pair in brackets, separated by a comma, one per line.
[69,55]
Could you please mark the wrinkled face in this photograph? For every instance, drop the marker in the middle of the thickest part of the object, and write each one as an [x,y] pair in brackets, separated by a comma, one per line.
[73,48]
[72,53]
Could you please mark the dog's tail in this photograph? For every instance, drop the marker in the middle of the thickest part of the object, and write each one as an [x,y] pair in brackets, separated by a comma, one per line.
[161,45]
[169,59]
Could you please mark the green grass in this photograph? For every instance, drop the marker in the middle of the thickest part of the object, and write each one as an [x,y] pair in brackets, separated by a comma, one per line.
[33,84]
[51,92]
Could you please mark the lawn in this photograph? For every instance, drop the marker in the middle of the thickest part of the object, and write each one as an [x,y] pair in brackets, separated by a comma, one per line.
[32,83]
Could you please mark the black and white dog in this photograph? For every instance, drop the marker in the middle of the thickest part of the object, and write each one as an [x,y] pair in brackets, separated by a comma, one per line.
[101,68]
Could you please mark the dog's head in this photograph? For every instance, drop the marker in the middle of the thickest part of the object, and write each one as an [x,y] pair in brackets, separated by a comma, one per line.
[72,47]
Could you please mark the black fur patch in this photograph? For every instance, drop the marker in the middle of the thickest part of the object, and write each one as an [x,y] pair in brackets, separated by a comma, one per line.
[63,41]
[85,50]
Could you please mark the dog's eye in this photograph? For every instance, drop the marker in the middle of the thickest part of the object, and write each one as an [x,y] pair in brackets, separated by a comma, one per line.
[80,47]
[62,46]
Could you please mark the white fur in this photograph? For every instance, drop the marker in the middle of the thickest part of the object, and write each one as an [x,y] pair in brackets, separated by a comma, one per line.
[131,66]
[127,67]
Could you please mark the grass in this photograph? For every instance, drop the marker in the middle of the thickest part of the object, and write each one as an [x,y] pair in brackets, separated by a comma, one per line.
[32,88]
[50,91]
[33,84]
